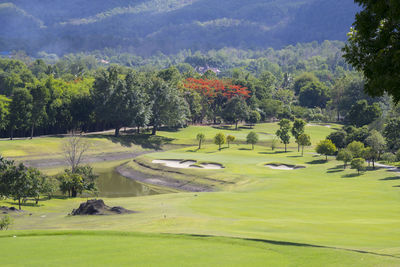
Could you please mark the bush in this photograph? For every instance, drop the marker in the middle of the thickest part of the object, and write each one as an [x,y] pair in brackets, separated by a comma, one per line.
[5,222]
[398,155]
[389,157]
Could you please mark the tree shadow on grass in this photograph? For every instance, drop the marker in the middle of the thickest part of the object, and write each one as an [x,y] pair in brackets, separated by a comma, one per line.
[224,127]
[246,149]
[393,178]
[193,150]
[396,186]
[351,175]
[338,168]
[273,152]
[299,156]
[144,140]
[317,161]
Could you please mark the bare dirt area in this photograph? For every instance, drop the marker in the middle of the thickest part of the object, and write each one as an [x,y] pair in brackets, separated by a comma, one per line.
[48,163]
[162,180]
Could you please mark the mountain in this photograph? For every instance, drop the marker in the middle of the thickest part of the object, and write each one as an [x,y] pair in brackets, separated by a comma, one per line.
[147,26]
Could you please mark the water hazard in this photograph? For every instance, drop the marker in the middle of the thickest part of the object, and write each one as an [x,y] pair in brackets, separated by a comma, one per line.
[112,184]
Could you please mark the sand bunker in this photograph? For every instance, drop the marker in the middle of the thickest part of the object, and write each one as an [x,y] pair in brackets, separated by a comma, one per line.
[187,164]
[283,167]
[327,125]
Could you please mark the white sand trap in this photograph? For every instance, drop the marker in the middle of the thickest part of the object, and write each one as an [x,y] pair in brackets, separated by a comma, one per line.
[187,164]
[211,166]
[284,167]
[327,125]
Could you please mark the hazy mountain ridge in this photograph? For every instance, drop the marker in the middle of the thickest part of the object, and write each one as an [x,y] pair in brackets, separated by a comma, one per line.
[147,26]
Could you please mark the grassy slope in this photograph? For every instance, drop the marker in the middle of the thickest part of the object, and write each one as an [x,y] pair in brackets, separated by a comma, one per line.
[321,204]
[88,248]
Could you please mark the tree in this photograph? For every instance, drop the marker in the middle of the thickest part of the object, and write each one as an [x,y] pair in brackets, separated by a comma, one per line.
[372,47]
[358,164]
[220,139]
[40,97]
[377,143]
[120,102]
[254,117]
[4,112]
[274,143]
[19,181]
[230,139]
[304,140]
[74,183]
[303,80]
[356,148]
[345,156]
[314,94]
[362,114]
[338,138]
[297,130]
[235,110]
[74,148]
[392,134]
[20,110]
[252,138]
[200,137]
[326,148]
[168,106]
[283,132]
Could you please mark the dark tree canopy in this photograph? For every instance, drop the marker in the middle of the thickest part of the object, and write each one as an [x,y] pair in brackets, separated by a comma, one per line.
[373,46]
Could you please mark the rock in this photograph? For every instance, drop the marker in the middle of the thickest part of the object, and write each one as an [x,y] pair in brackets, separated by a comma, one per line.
[6,210]
[98,207]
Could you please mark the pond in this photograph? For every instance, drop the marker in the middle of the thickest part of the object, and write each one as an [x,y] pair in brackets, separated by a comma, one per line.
[111,184]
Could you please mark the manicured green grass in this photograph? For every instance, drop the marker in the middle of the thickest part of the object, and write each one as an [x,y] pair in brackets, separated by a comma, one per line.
[52,147]
[129,249]
[320,205]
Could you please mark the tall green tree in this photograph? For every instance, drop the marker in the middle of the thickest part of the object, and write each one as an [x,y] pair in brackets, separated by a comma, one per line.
[298,129]
[344,155]
[373,46]
[20,110]
[200,137]
[252,138]
[326,148]
[283,132]
[40,98]
[235,110]
[219,140]
[314,94]
[392,134]
[362,114]
[169,108]
[377,143]
[304,140]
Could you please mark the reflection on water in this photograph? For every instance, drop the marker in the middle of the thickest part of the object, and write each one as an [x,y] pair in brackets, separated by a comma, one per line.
[112,184]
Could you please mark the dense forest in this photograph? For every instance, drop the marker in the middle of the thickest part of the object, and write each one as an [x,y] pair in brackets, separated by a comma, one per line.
[144,27]
[90,92]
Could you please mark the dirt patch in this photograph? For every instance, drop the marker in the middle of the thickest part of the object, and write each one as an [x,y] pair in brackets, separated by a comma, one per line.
[285,167]
[187,164]
[46,163]
[7,210]
[97,207]
[162,179]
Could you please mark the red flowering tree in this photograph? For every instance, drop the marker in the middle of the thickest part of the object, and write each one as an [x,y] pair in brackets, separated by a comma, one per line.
[216,92]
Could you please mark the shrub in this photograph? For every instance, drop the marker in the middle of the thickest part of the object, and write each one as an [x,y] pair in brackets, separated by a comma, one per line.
[5,222]
[389,157]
